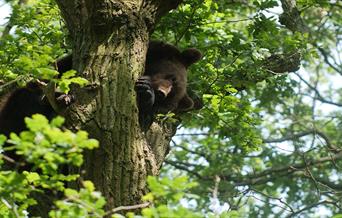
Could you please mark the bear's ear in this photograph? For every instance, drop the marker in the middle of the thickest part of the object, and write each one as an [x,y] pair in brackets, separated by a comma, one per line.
[190,56]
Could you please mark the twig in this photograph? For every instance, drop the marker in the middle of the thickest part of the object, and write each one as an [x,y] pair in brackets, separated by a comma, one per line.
[130,207]
[202,154]
[176,165]
[215,190]
[270,203]
[7,158]
[309,207]
[310,175]
[326,59]
[275,198]
[49,91]
[314,132]
[319,96]
[13,84]
[265,176]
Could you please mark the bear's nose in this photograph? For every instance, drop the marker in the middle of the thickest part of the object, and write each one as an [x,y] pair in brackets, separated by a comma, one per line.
[164,89]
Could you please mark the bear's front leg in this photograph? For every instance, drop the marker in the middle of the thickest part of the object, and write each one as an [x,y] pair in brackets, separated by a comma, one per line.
[145,94]
[145,101]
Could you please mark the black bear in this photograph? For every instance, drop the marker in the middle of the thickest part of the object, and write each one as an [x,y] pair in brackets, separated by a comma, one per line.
[162,88]
[29,100]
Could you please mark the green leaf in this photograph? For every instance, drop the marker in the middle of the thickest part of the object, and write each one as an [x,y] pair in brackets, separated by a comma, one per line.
[46,73]
[89,185]
[69,74]
[31,176]
[57,121]
[36,123]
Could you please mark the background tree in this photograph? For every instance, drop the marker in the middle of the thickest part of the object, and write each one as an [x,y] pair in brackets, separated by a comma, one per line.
[294,170]
[261,143]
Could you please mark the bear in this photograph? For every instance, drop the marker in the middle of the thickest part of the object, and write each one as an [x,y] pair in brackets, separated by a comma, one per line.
[24,102]
[162,88]
[29,100]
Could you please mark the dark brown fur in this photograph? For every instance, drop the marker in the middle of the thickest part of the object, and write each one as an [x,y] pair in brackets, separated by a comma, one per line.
[26,101]
[162,88]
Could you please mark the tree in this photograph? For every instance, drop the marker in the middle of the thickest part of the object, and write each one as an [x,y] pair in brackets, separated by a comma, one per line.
[115,33]
[242,80]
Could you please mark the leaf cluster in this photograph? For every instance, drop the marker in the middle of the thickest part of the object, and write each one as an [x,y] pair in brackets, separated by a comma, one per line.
[45,149]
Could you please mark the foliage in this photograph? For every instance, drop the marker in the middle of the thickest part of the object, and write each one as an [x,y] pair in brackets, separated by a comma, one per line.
[46,150]
[173,198]
[257,124]
[84,203]
[36,42]
[38,39]
[171,192]
[272,138]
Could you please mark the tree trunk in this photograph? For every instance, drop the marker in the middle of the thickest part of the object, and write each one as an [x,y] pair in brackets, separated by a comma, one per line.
[110,43]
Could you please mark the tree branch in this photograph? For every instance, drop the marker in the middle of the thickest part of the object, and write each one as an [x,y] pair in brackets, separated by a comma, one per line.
[202,154]
[268,174]
[282,63]
[130,207]
[305,133]
[159,138]
[275,198]
[319,96]
[289,137]
[326,59]
[330,184]
[13,84]
[291,17]
[310,207]
[178,166]
[164,6]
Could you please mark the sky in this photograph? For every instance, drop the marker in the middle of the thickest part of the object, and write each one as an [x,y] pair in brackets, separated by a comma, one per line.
[4,12]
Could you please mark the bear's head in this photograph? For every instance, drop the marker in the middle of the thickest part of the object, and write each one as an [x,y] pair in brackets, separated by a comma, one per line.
[167,67]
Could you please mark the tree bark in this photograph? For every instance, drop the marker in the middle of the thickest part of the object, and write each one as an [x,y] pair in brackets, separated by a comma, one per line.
[110,43]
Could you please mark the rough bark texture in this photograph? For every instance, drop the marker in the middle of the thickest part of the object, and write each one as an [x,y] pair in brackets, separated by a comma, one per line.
[110,43]
[291,17]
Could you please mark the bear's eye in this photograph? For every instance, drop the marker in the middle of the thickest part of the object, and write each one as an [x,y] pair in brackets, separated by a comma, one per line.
[171,78]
